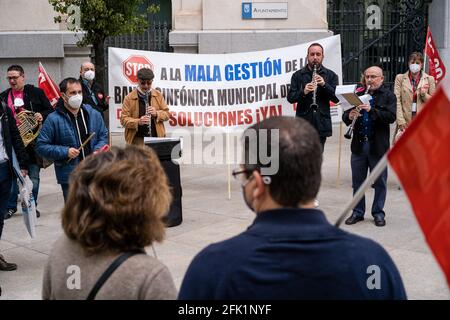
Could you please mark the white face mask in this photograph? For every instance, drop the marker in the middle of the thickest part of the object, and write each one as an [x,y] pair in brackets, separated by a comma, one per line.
[89,75]
[18,102]
[414,67]
[75,101]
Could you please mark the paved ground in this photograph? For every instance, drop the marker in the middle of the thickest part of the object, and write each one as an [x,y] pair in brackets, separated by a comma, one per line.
[209,216]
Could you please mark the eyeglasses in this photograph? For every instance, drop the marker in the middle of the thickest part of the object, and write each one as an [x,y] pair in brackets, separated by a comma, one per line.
[13,78]
[241,175]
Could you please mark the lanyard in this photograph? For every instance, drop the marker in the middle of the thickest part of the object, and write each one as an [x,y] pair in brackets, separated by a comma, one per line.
[414,84]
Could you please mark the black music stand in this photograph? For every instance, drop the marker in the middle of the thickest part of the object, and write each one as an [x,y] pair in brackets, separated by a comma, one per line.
[169,149]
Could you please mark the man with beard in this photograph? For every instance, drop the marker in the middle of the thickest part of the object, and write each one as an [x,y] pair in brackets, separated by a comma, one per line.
[323,86]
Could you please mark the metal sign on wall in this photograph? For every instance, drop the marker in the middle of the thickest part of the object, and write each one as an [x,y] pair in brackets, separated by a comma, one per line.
[264,10]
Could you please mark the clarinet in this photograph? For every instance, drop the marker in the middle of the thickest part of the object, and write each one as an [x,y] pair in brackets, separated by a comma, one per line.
[148,113]
[314,105]
[348,134]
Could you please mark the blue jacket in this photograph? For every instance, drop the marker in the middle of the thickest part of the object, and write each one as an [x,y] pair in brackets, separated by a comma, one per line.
[292,254]
[58,135]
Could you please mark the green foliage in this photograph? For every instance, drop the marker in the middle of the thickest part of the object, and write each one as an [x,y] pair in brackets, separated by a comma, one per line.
[102,18]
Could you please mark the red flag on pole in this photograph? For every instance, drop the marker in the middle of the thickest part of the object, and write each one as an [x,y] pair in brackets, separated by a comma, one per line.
[46,83]
[434,62]
[421,159]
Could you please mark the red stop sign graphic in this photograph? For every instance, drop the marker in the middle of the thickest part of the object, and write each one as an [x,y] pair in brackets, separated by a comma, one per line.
[132,65]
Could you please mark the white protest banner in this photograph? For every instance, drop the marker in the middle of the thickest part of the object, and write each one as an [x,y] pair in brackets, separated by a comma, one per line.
[220,91]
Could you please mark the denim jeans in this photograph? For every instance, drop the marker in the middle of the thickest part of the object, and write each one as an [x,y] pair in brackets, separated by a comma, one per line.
[322,142]
[5,184]
[65,190]
[33,172]
[360,164]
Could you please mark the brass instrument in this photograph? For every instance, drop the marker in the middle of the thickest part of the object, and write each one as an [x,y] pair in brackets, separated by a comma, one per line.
[348,134]
[314,105]
[29,127]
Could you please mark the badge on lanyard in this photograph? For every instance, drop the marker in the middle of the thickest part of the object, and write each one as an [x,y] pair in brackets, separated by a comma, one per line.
[414,107]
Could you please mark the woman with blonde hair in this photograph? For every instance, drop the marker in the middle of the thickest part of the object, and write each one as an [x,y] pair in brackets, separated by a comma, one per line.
[116,203]
[412,88]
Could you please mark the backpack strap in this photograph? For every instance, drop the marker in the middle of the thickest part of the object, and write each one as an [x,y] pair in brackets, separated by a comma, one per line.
[108,272]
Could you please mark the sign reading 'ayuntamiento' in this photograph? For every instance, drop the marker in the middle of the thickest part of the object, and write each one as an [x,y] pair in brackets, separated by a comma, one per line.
[264,10]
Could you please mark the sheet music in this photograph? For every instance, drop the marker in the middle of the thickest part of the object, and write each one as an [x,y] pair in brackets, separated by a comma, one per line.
[348,98]
[366,98]
[349,88]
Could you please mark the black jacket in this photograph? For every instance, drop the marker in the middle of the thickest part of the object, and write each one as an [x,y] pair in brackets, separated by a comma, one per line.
[99,93]
[382,115]
[36,101]
[11,137]
[321,119]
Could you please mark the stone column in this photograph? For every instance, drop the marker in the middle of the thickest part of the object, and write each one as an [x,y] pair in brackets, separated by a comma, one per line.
[216,26]
[187,23]
[439,21]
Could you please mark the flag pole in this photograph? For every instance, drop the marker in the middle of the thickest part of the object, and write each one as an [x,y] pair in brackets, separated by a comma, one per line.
[49,80]
[376,172]
[425,52]
[425,60]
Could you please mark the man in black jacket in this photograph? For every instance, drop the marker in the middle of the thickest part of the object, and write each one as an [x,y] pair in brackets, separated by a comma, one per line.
[302,91]
[370,142]
[20,97]
[9,139]
[93,93]
[290,251]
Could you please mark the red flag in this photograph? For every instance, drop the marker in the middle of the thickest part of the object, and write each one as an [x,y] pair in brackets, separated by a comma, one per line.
[46,83]
[435,64]
[421,159]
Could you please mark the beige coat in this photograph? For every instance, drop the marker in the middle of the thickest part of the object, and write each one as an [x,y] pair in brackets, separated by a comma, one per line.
[404,92]
[130,116]
[141,277]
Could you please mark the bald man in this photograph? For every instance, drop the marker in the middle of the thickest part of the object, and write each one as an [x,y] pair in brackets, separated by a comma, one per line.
[370,142]
[93,93]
